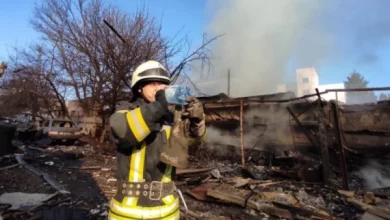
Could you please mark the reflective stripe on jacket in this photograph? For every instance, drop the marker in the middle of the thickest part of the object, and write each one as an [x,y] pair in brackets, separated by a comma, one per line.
[139,135]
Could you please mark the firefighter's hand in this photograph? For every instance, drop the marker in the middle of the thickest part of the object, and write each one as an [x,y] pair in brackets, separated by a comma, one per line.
[194,110]
[160,98]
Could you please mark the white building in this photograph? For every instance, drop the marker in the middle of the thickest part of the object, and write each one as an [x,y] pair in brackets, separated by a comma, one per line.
[307,81]
[281,88]
[341,96]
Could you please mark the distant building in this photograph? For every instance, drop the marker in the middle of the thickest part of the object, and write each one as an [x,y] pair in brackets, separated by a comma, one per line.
[281,88]
[306,82]
[74,108]
[290,87]
[341,96]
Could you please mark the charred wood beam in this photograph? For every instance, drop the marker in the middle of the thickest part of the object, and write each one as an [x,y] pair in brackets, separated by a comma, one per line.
[270,100]
[379,211]
[308,213]
[322,131]
[208,111]
[238,199]
[337,126]
[359,89]
[241,104]
[191,171]
[285,100]
[370,120]
[319,98]
[278,204]
[309,136]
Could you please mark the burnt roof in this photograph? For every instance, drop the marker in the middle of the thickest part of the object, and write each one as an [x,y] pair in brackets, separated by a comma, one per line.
[222,97]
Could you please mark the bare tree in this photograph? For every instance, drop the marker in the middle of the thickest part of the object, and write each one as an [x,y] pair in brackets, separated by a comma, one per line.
[200,55]
[92,63]
[34,84]
[96,62]
[23,92]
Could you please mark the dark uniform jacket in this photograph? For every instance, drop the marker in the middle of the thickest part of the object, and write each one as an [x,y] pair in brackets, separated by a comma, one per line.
[139,132]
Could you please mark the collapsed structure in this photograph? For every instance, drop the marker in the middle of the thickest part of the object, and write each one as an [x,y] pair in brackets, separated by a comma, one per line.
[364,128]
[272,156]
[284,122]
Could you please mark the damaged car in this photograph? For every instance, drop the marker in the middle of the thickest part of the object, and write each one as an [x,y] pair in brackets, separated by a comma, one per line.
[61,130]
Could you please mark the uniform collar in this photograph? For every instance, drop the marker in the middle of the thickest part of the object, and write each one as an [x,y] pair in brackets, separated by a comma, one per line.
[139,102]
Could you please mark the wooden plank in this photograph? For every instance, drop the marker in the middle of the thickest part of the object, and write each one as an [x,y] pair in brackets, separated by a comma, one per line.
[194,171]
[263,202]
[238,197]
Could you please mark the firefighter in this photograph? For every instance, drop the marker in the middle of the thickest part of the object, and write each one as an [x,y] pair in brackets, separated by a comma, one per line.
[140,131]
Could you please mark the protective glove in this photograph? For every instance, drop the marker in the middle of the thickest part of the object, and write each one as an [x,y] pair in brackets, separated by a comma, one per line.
[160,98]
[194,111]
[159,108]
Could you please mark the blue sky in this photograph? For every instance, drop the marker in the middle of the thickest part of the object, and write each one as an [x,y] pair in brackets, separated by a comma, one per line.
[16,30]
[364,47]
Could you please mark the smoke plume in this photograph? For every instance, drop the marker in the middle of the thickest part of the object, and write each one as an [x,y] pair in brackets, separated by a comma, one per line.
[265,41]
[273,128]
[375,175]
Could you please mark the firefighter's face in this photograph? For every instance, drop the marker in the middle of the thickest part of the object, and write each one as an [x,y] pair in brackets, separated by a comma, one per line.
[149,90]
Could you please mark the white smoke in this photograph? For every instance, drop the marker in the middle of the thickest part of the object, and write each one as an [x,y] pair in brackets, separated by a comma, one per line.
[265,41]
[273,128]
[375,175]
[260,38]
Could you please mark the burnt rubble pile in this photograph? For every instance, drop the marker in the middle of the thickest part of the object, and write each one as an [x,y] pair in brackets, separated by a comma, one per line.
[56,182]
[280,187]
[39,182]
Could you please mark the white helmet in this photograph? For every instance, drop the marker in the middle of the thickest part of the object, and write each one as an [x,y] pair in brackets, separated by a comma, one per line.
[150,71]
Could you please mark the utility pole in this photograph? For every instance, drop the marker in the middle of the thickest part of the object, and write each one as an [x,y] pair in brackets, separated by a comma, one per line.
[228,83]
[242,132]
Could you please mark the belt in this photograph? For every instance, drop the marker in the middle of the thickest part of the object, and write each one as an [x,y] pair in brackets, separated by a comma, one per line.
[154,190]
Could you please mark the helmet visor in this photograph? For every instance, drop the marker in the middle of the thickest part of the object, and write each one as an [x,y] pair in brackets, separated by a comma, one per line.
[154,72]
